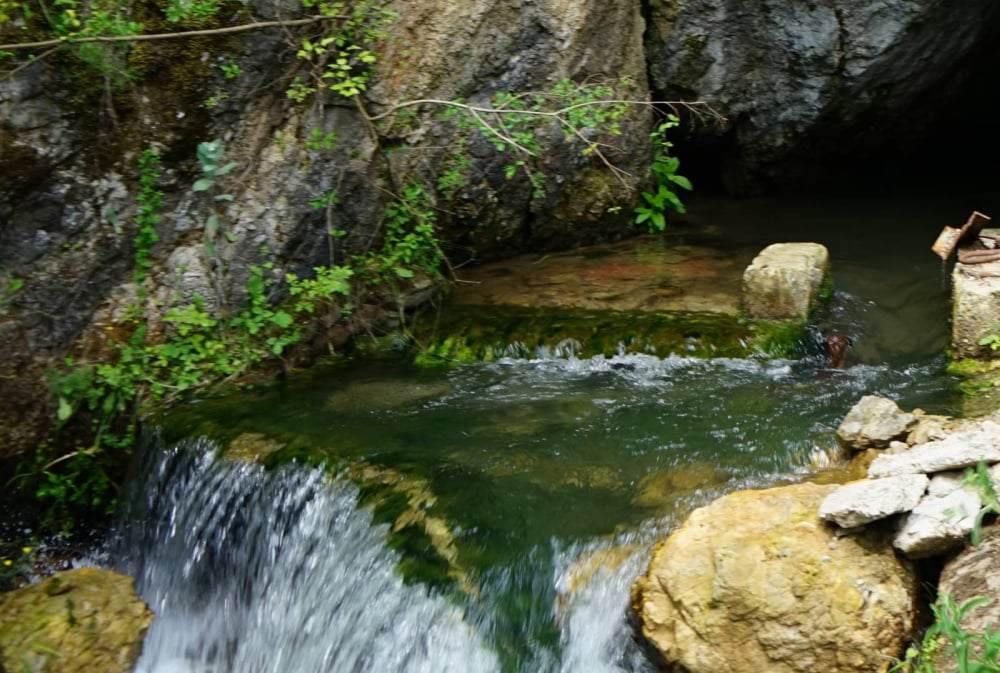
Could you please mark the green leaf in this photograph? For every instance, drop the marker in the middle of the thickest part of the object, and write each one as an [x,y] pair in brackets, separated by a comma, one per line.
[281,319]
[65,410]
[225,169]
[224,197]
[403,273]
[681,181]
[202,185]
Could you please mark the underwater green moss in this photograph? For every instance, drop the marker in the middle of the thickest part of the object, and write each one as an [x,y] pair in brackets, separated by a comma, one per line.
[483,333]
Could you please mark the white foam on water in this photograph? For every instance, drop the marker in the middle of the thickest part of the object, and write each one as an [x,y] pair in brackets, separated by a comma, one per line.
[254,572]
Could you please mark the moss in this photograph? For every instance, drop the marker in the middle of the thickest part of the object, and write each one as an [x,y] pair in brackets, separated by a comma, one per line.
[477,333]
[977,377]
[968,367]
[825,291]
[777,339]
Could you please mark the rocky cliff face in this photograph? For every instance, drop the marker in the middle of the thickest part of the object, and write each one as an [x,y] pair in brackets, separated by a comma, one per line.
[795,80]
[805,81]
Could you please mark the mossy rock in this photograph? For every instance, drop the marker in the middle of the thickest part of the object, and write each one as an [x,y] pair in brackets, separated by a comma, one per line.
[88,619]
[485,333]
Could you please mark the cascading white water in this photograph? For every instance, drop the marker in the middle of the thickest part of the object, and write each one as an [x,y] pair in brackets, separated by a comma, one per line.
[253,572]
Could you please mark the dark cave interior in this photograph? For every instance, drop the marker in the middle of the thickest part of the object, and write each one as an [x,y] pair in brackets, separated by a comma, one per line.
[951,143]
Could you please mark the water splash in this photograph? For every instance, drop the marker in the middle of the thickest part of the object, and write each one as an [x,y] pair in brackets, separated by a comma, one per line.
[594,582]
[255,572]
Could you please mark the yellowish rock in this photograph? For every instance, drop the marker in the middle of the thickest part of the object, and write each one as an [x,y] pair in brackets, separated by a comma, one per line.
[755,582]
[86,619]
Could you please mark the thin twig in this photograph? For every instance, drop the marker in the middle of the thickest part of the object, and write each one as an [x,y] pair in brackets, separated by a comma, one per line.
[691,105]
[257,25]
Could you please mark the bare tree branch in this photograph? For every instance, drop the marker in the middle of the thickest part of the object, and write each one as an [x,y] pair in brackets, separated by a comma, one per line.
[257,25]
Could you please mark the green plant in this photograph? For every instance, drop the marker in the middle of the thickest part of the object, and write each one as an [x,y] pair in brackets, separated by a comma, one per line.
[149,202]
[981,479]
[410,240]
[310,295]
[973,653]
[319,140]
[664,168]
[453,175]
[231,70]
[586,113]
[197,11]
[341,59]
[327,199]
[73,19]
[9,286]
[210,155]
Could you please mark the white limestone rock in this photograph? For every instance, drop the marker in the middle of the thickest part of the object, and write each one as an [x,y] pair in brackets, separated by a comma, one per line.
[874,422]
[942,520]
[862,502]
[783,281]
[975,308]
[957,451]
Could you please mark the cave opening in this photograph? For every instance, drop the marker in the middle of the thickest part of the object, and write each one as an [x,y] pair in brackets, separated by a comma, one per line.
[949,142]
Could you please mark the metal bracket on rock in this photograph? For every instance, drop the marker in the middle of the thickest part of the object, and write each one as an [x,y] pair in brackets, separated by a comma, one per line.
[977,249]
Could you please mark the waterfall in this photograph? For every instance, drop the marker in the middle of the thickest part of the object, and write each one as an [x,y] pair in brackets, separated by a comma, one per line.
[250,571]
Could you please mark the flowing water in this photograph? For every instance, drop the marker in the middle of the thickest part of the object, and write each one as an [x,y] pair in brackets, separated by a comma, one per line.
[492,517]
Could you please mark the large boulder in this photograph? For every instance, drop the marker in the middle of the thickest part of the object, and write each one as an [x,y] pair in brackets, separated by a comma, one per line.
[783,281]
[87,619]
[972,574]
[756,582]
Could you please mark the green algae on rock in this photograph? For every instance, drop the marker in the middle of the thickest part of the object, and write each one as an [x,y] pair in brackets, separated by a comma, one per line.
[486,333]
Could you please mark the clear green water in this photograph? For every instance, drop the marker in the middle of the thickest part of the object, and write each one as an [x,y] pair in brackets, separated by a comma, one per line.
[494,483]
[523,451]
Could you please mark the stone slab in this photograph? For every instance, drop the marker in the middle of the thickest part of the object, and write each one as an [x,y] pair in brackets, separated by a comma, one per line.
[941,521]
[869,500]
[783,281]
[960,450]
[975,308]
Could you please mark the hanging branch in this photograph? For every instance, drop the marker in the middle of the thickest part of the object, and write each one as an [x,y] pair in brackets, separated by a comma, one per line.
[499,130]
[257,25]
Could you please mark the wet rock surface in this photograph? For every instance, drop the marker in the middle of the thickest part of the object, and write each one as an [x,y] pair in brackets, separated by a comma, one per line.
[644,274]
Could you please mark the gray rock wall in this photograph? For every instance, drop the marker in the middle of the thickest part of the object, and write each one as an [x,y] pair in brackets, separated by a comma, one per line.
[806,80]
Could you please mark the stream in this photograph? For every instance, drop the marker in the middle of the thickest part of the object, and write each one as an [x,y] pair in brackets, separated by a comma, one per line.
[492,516]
